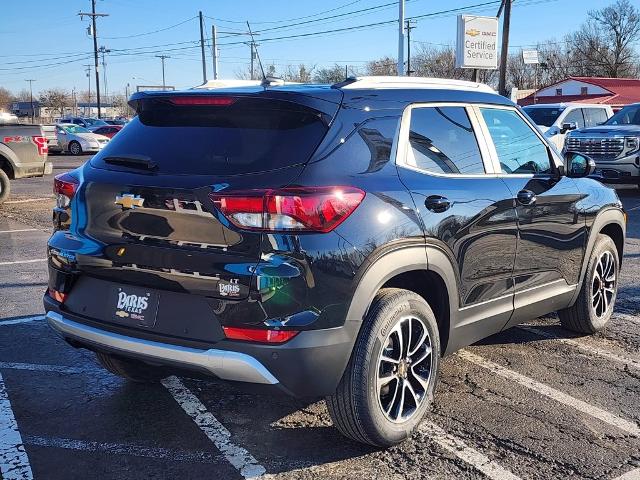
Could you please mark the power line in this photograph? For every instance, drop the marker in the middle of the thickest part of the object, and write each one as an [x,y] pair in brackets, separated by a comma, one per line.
[153,31]
[289,19]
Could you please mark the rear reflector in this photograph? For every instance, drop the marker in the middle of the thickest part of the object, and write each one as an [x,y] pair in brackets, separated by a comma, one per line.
[311,209]
[259,335]
[202,100]
[58,296]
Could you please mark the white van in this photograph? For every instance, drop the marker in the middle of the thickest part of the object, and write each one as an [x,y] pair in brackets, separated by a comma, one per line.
[556,119]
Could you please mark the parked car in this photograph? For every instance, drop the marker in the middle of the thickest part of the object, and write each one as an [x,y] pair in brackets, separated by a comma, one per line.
[615,146]
[108,130]
[327,240]
[23,153]
[6,117]
[116,121]
[78,140]
[86,122]
[557,119]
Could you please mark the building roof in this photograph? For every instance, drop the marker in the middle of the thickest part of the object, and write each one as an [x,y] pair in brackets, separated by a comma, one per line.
[622,91]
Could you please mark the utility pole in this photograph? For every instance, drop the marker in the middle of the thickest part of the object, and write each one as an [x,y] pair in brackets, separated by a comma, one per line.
[400,38]
[103,50]
[502,83]
[33,113]
[204,65]
[88,71]
[163,57]
[410,26]
[252,45]
[93,16]
[214,51]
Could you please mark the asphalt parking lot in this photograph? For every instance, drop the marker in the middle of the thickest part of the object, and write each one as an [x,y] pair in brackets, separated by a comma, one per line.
[534,402]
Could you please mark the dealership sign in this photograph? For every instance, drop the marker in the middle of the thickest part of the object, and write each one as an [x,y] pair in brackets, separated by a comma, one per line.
[477,42]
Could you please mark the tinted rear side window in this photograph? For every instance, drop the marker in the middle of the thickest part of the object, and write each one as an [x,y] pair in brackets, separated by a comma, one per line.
[250,135]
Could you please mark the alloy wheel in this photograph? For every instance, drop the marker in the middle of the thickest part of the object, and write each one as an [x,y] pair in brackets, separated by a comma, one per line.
[603,285]
[404,369]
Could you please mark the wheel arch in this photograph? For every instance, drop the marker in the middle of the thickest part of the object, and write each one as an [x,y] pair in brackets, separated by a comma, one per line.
[426,271]
[7,161]
[610,222]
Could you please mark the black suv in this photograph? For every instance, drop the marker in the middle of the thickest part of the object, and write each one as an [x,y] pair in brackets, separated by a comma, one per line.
[326,240]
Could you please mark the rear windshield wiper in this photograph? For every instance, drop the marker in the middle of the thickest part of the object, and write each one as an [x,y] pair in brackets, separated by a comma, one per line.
[132,161]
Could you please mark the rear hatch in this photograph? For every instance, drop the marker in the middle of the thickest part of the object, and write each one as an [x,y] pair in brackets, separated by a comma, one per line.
[145,198]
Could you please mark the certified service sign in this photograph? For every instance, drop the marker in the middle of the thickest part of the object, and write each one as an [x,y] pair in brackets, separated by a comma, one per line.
[477,45]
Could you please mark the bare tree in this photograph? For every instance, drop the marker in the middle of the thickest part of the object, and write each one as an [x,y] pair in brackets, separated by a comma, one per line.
[23,95]
[382,66]
[301,73]
[56,99]
[331,75]
[6,97]
[606,41]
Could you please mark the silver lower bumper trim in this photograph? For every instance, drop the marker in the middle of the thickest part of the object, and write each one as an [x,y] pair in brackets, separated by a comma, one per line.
[221,363]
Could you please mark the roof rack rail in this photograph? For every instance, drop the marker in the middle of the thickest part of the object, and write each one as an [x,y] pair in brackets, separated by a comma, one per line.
[411,82]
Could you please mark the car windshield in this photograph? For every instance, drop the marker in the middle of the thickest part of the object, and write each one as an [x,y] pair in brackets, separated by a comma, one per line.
[94,122]
[543,116]
[75,129]
[627,116]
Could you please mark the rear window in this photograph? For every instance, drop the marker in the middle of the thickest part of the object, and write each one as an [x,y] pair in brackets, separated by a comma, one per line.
[545,117]
[250,135]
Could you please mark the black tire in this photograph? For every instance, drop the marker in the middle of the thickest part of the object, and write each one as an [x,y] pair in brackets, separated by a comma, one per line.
[5,188]
[75,148]
[132,370]
[356,407]
[584,316]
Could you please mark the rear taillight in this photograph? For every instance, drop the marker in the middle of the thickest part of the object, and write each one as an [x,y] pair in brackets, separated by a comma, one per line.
[64,186]
[311,209]
[259,335]
[41,143]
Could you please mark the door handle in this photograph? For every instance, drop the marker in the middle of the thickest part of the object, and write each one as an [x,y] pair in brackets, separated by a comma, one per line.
[526,197]
[437,204]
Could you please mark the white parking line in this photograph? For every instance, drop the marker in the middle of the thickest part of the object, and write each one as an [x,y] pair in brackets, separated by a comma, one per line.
[242,460]
[43,368]
[123,449]
[465,453]
[631,475]
[29,200]
[561,397]
[18,321]
[14,463]
[35,260]
[21,230]
[633,362]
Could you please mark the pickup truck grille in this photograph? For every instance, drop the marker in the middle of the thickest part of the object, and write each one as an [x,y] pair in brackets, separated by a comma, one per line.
[596,147]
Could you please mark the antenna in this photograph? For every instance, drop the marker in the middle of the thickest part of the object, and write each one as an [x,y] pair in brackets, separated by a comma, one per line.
[255,47]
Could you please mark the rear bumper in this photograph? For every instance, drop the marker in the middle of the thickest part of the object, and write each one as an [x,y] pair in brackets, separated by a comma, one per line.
[309,365]
[223,364]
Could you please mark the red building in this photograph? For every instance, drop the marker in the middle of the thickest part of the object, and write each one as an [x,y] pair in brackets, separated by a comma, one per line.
[616,92]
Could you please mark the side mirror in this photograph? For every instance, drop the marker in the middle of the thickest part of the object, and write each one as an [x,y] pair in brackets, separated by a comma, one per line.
[552,131]
[579,165]
[568,126]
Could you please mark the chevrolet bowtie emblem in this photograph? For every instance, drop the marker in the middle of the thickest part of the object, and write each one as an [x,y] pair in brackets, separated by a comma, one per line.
[127,200]
[473,32]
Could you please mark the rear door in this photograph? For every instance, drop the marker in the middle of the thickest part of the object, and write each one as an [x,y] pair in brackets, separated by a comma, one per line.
[467,211]
[145,198]
[552,233]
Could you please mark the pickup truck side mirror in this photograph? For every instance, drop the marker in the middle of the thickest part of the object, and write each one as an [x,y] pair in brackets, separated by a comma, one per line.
[568,126]
[579,165]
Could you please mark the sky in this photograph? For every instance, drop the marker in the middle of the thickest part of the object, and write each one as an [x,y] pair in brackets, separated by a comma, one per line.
[47,41]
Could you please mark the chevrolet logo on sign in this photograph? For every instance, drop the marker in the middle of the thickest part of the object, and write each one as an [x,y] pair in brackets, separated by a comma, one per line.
[473,32]
[127,200]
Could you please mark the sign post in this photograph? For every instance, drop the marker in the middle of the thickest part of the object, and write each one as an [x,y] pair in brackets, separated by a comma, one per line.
[476,45]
